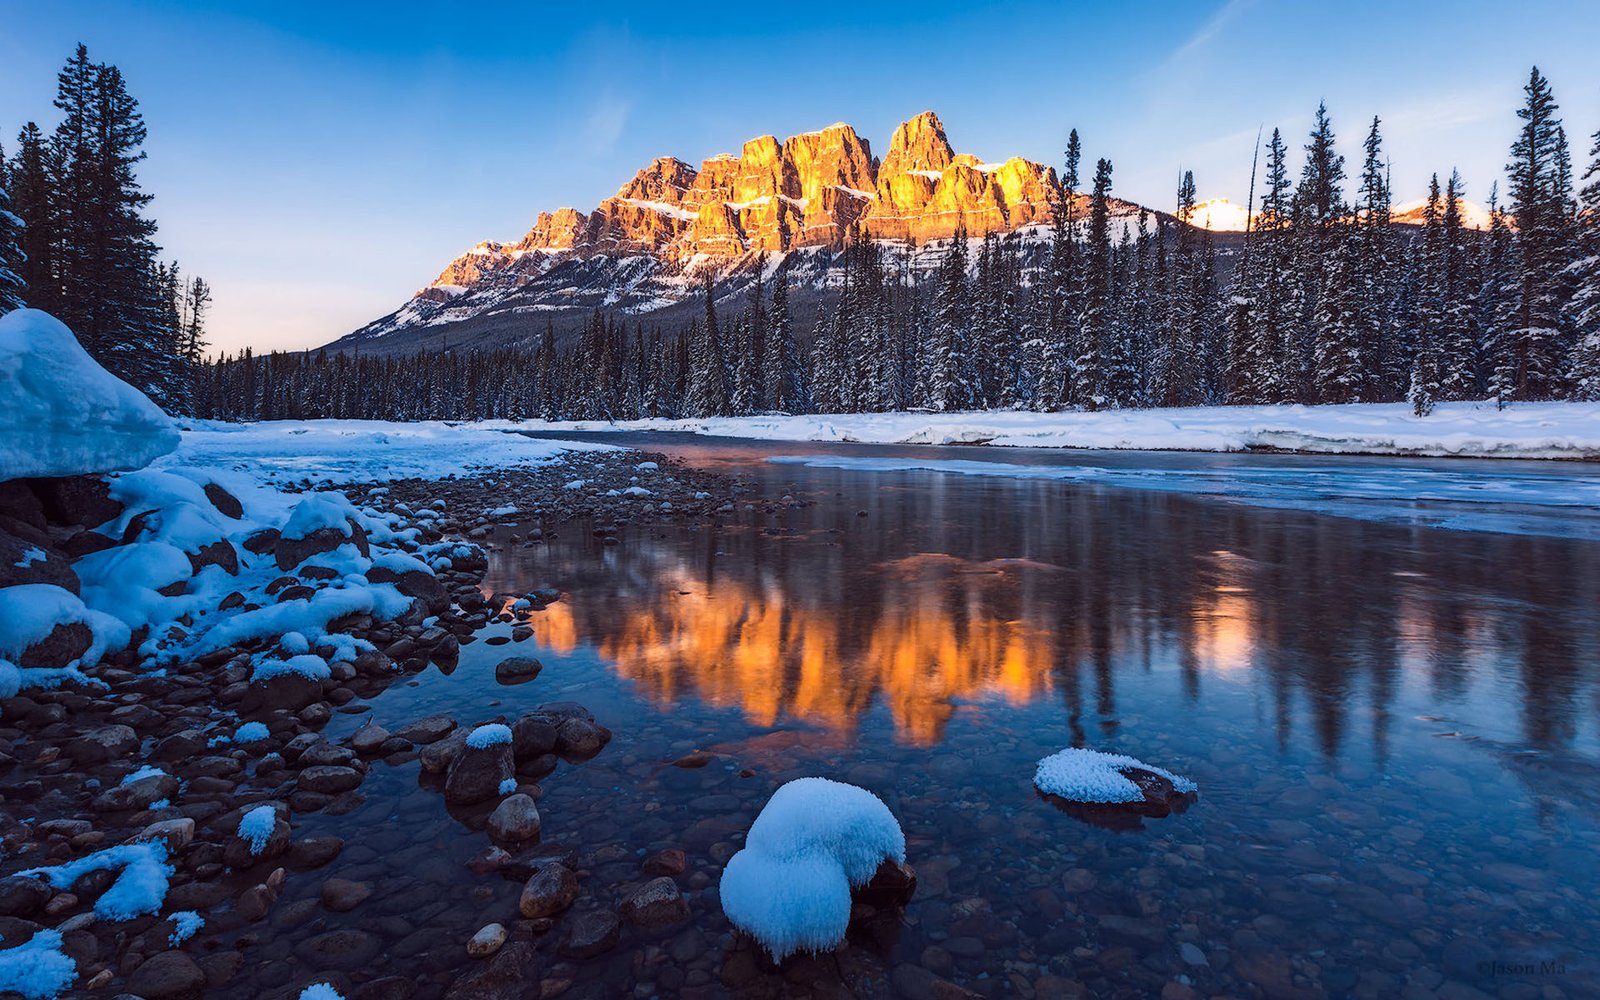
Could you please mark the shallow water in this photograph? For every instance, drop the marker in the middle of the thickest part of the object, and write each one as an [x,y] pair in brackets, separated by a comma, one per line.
[1393,727]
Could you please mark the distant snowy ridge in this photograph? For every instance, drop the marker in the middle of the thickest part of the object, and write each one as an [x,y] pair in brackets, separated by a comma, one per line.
[1478,430]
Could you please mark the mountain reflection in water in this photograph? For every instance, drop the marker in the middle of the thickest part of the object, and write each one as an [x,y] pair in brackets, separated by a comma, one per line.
[953,594]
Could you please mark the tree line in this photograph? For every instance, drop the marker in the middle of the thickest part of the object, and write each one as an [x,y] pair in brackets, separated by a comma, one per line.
[1328,301]
[75,240]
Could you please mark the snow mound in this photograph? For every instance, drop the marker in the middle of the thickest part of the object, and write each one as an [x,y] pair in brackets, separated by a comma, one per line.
[61,414]
[1091,776]
[185,924]
[256,826]
[139,889]
[250,732]
[31,611]
[320,991]
[37,969]
[815,839]
[491,735]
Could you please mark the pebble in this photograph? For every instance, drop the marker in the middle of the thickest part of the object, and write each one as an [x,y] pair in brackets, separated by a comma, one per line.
[487,941]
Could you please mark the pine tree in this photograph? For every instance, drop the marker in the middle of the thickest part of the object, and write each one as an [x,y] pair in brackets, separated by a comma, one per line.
[1540,189]
[12,259]
[1428,317]
[1095,326]
[1373,284]
[1266,366]
[1336,367]
[786,372]
[1585,305]
[1059,352]
[33,201]
[954,384]
[710,394]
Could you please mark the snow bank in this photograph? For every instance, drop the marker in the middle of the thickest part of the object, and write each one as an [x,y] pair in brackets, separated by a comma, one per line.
[37,969]
[789,887]
[61,414]
[29,612]
[140,888]
[1522,430]
[1091,776]
[366,451]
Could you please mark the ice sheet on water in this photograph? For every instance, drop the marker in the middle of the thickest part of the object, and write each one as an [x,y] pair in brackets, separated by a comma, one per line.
[1559,501]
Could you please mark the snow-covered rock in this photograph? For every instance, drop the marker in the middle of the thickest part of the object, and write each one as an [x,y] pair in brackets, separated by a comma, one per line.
[61,414]
[814,840]
[139,888]
[1081,775]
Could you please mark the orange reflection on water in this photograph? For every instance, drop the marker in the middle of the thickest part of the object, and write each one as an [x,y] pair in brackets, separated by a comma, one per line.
[930,632]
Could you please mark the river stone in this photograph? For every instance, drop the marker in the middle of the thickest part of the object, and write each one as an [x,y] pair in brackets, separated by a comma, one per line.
[100,745]
[341,895]
[893,884]
[590,934]
[329,779]
[517,669]
[515,819]
[369,738]
[655,905]
[477,773]
[290,692]
[551,889]
[345,948]
[22,896]
[487,941]
[429,730]
[414,583]
[313,852]
[65,642]
[437,757]
[167,975]
[139,794]
[508,975]
[580,739]
[532,736]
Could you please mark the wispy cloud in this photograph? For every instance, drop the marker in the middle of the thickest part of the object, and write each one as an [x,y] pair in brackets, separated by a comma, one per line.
[1212,27]
[604,124]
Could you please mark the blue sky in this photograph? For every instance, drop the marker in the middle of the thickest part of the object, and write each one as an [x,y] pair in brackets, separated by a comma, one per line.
[320,162]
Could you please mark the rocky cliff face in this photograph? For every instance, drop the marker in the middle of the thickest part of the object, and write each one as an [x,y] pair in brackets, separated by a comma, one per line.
[807,190]
[672,221]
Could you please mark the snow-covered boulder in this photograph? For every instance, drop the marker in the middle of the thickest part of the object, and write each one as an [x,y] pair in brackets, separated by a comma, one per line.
[61,414]
[813,842]
[1111,789]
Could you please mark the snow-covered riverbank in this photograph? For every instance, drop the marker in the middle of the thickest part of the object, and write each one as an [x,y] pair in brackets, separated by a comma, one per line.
[1478,430]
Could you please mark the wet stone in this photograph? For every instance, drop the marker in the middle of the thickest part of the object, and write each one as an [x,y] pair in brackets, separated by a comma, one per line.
[655,905]
[590,934]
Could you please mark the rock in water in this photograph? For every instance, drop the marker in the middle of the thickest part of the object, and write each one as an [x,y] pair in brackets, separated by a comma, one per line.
[485,762]
[61,414]
[516,819]
[551,889]
[655,905]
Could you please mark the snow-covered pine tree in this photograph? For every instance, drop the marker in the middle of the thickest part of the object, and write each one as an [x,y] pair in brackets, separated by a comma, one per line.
[1095,326]
[1428,315]
[12,259]
[1457,343]
[710,394]
[954,385]
[1265,375]
[1585,274]
[1540,191]
[1059,349]
[1336,366]
[32,200]
[786,369]
[1373,282]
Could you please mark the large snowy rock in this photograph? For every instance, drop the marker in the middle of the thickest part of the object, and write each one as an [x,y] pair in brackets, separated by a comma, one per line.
[814,841]
[61,414]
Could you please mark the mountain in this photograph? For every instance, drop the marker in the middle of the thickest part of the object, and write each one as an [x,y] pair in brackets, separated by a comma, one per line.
[646,250]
